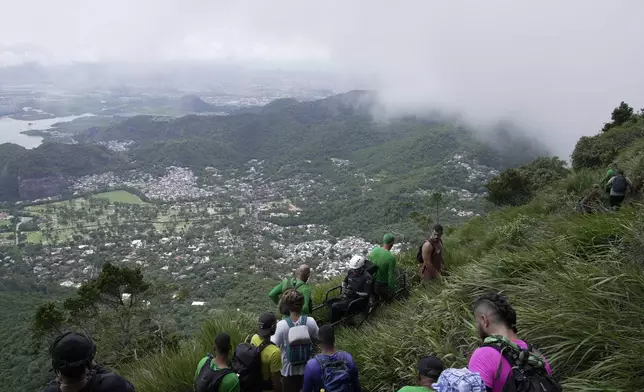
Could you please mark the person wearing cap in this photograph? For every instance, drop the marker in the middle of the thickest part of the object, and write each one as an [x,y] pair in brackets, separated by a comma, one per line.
[72,359]
[386,274]
[357,285]
[269,353]
[429,369]
[299,283]
[341,361]
[218,364]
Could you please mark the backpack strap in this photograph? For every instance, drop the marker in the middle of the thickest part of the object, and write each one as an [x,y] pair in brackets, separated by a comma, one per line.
[303,319]
[289,322]
[264,344]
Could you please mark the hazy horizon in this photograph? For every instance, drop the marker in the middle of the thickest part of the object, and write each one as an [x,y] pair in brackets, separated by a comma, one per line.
[555,69]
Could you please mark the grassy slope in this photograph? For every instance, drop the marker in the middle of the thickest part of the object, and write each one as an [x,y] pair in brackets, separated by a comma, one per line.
[575,281]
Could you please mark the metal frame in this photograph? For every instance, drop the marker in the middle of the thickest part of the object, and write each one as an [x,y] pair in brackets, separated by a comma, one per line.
[400,291]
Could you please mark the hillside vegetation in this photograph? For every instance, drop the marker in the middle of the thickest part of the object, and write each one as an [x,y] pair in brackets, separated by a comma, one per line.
[576,282]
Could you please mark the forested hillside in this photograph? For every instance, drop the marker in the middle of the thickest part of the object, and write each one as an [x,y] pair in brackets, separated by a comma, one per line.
[574,279]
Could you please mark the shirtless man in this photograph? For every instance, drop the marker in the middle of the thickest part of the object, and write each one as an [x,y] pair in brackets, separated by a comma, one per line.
[432,254]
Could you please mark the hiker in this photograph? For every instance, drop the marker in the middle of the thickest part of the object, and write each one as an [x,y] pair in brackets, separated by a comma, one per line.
[495,360]
[429,369]
[588,204]
[430,255]
[72,359]
[332,370]
[270,355]
[213,373]
[299,283]
[609,174]
[618,185]
[385,277]
[357,288]
[294,336]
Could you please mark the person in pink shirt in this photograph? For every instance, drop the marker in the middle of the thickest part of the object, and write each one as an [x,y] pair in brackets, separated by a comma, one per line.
[496,321]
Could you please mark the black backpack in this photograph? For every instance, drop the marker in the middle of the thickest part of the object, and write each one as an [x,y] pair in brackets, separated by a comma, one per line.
[619,184]
[419,255]
[247,363]
[209,379]
[528,372]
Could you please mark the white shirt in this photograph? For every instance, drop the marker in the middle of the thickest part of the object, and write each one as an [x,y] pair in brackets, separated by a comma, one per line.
[281,340]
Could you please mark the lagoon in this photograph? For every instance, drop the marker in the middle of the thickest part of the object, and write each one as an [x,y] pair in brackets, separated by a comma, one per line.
[10,129]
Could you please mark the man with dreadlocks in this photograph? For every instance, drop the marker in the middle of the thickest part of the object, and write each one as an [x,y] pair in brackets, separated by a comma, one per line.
[503,353]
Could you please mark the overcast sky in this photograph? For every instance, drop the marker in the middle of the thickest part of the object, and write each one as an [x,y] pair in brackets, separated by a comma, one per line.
[556,66]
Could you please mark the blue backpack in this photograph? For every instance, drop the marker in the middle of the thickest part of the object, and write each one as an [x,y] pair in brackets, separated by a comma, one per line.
[335,373]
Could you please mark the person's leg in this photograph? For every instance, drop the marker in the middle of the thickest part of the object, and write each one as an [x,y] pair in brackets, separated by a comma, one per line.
[339,309]
[290,384]
[382,291]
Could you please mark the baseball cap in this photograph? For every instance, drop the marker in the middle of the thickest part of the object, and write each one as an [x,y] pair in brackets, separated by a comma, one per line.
[388,238]
[72,350]
[430,366]
[266,322]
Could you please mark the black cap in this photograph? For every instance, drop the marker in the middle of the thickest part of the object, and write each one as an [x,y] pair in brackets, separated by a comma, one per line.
[266,323]
[72,350]
[430,366]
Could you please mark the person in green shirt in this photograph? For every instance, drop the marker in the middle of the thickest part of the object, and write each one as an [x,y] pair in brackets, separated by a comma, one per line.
[298,283]
[218,364]
[386,273]
[429,369]
[609,174]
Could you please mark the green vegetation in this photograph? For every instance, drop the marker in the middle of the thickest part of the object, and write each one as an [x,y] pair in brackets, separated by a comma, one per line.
[575,281]
[120,197]
[517,186]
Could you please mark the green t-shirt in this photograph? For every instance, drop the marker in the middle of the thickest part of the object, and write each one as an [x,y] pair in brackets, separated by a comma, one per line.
[230,382]
[386,263]
[415,389]
[302,287]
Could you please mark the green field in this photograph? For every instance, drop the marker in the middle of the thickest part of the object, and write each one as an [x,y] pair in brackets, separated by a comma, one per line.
[120,197]
[35,237]
[4,222]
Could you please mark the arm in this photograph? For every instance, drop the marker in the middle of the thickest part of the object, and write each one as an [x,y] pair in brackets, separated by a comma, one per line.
[309,375]
[392,273]
[278,338]
[428,249]
[275,366]
[306,291]
[199,366]
[353,373]
[275,293]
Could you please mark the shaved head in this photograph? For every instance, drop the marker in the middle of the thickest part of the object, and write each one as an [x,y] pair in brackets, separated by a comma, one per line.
[303,272]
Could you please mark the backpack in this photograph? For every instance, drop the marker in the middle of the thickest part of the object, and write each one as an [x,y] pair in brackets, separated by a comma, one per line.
[247,363]
[619,184]
[419,255]
[459,380]
[528,372]
[209,379]
[299,347]
[335,373]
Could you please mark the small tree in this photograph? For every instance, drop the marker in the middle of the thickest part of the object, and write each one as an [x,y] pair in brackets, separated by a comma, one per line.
[620,115]
[437,201]
[112,309]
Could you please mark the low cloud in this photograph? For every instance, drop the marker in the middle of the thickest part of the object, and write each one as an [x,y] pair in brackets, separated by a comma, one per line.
[554,68]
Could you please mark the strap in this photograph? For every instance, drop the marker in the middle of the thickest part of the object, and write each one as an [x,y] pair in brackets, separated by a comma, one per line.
[264,344]
[249,338]
[289,322]
[303,319]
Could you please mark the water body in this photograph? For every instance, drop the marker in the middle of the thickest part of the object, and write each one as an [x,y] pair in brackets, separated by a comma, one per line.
[10,129]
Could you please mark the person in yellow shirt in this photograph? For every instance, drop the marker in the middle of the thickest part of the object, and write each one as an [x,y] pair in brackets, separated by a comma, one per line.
[269,353]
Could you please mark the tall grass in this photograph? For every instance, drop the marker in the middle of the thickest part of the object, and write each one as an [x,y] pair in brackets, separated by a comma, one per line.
[576,282]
